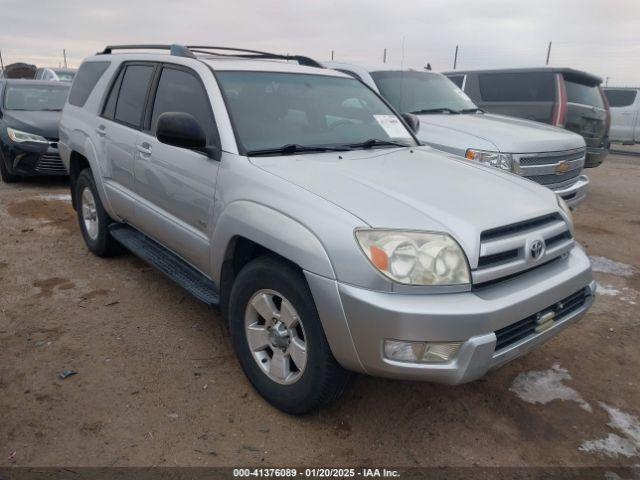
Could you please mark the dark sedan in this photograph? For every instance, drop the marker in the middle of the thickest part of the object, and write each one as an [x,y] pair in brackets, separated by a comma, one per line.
[29,116]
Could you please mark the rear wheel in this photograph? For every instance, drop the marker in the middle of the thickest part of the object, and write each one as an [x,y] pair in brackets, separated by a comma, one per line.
[93,219]
[279,340]
[5,175]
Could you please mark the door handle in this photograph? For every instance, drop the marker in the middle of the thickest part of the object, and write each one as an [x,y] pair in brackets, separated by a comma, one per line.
[144,149]
[101,130]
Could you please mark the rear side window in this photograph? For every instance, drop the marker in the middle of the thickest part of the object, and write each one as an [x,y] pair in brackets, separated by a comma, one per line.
[621,98]
[86,78]
[181,91]
[458,80]
[583,94]
[133,94]
[517,87]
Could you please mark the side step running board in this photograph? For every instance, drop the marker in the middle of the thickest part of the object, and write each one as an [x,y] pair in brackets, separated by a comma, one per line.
[167,262]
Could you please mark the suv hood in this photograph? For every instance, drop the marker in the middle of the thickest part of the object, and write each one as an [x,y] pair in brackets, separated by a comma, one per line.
[508,134]
[418,188]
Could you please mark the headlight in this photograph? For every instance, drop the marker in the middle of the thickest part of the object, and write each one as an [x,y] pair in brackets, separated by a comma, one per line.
[18,136]
[415,258]
[565,208]
[495,159]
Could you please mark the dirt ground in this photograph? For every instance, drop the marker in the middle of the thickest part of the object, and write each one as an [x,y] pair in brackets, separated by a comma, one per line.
[158,384]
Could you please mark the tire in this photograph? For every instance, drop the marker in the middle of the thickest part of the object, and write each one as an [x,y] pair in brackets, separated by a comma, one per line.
[5,175]
[317,381]
[95,231]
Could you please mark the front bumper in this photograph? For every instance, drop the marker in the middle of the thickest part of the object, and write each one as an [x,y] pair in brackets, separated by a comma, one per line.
[471,317]
[31,159]
[575,194]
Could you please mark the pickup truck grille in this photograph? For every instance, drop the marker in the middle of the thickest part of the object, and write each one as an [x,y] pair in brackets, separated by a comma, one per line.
[509,250]
[553,169]
[517,331]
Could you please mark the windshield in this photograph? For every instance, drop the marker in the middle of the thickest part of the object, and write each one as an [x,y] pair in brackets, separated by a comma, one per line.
[272,110]
[65,76]
[35,97]
[418,92]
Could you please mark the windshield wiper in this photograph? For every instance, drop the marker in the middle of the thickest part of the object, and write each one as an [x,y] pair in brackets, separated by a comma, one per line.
[435,110]
[374,142]
[472,110]
[292,148]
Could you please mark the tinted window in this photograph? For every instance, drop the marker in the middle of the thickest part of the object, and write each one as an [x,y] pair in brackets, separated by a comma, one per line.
[35,97]
[110,107]
[180,91]
[133,92]
[458,80]
[416,92]
[583,94]
[271,110]
[85,80]
[621,98]
[517,87]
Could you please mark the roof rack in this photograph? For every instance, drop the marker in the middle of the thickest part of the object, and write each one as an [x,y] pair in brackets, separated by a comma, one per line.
[190,50]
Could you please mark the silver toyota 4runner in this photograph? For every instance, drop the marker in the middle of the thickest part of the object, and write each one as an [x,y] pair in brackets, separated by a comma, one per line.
[450,121]
[293,198]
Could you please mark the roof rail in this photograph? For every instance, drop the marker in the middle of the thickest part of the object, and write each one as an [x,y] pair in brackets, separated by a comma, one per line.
[174,49]
[245,53]
[190,50]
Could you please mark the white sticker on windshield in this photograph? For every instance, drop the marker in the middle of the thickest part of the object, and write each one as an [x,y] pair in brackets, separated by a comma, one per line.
[392,126]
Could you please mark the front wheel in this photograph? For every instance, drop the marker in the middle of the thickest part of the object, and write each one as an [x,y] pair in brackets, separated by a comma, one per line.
[93,218]
[279,340]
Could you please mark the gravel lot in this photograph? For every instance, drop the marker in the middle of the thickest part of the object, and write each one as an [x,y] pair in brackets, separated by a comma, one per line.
[158,384]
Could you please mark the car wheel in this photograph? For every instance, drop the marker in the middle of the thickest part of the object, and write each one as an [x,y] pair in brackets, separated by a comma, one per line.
[5,175]
[279,340]
[93,219]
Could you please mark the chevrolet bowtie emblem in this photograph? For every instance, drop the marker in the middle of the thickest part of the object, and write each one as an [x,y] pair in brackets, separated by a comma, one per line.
[562,167]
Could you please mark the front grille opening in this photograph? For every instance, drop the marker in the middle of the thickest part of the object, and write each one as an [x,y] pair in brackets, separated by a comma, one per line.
[519,227]
[553,241]
[517,331]
[498,258]
[550,159]
[552,178]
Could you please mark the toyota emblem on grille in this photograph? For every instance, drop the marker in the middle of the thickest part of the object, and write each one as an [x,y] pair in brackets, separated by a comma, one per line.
[536,249]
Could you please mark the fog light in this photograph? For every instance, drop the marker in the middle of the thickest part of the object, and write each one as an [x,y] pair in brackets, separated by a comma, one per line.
[420,352]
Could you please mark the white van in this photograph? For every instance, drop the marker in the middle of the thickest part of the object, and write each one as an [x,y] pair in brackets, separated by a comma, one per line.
[625,114]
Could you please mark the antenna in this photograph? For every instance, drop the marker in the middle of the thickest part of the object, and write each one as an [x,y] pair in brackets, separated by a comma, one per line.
[455,58]
[548,53]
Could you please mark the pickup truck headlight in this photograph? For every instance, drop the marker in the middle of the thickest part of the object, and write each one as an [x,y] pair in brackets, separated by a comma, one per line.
[494,159]
[19,136]
[415,258]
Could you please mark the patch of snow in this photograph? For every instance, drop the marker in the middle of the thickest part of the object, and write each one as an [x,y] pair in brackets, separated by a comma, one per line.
[545,386]
[613,445]
[610,291]
[61,197]
[606,265]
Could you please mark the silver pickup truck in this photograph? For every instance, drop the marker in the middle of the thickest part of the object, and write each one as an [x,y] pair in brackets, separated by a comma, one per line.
[295,200]
[451,122]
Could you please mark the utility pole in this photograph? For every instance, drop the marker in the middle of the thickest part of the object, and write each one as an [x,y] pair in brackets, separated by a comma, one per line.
[64,54]
[548,53]
[332,54]
[455,58]
[1,61]
[384,56]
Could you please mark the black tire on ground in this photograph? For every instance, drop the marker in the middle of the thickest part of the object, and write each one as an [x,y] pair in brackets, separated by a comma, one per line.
[103,245]
[5,175]
[323,380]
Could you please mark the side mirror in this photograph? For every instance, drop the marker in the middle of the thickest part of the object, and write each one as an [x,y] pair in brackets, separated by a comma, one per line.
[181,130]
[412,120]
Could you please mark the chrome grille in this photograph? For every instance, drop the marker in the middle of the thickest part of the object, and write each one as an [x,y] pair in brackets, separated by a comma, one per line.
[50,164]
[552,169]
[507,250]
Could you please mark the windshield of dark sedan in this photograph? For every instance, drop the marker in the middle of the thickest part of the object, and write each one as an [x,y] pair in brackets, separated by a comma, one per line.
[418,91]
[35,97]
[270,110]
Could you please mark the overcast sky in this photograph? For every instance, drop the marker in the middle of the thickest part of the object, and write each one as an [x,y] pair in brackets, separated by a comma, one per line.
[595,35]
